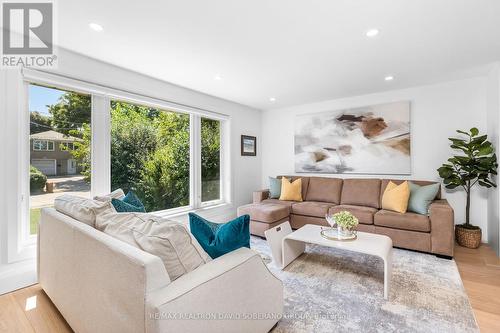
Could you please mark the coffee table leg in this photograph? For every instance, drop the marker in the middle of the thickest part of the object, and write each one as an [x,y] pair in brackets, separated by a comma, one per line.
[291,250]
[387,274]
[274,238]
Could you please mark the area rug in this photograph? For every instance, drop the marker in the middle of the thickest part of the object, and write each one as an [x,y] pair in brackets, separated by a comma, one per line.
[331,290]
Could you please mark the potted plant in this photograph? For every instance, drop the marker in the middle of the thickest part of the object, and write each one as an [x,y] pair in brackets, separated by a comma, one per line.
[346,224]
[475,165]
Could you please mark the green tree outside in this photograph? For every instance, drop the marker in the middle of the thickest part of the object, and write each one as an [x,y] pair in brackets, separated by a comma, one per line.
[149,149]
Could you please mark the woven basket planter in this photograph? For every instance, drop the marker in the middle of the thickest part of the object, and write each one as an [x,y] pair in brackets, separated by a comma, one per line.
[470,238]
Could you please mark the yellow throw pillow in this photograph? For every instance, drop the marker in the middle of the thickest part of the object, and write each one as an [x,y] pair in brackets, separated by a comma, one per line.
[291,191]
[396,197]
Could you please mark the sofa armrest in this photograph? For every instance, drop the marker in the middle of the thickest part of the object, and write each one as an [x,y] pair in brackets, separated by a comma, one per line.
[98,283]
[258,196]
[442,227]
[235,286]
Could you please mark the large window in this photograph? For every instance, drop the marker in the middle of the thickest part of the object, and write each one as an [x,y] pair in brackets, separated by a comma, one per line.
[210,160]
[150,154]
[59,120]
[170,155]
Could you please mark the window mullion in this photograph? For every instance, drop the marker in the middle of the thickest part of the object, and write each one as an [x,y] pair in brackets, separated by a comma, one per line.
[196,160]
[101,146]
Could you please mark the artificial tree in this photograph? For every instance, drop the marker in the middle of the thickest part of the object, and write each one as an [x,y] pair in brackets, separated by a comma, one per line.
[476,165]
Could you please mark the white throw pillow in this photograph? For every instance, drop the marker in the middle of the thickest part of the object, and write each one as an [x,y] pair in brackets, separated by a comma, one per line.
[116,194]
[171,241]
[82,209]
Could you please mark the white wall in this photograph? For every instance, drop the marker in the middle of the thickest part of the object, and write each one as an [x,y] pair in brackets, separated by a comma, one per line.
[244,120]
[436,112]
[245,171]
[493,110]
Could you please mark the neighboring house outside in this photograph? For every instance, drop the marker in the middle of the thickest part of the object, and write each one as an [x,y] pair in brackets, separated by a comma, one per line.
[51,153]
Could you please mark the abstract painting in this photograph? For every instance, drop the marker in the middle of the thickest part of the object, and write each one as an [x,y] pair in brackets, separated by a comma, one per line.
[370,140]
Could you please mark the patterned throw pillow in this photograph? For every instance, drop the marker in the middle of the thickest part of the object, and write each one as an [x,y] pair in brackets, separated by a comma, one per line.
[131,203]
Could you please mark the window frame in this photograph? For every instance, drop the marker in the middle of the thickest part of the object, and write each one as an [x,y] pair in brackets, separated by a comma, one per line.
[195,180]
[66,146]
[46,145]
[20,244]
[101,132]
[203,204]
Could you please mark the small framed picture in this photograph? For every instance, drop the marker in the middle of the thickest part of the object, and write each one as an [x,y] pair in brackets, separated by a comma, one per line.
[248,145]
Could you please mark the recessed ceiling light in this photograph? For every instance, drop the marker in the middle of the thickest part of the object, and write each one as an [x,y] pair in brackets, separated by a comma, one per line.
[389,78]
[96,27]
[372,33]
[272,99]
[217,77]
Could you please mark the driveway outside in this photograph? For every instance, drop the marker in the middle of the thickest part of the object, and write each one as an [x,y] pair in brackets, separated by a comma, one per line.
[74,185]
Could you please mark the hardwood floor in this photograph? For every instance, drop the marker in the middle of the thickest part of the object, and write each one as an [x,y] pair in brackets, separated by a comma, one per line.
[30,310]
[480,272]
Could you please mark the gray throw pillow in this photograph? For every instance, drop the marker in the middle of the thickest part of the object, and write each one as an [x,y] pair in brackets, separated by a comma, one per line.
[421,197]
[82,209]
[274,188]
[171,241]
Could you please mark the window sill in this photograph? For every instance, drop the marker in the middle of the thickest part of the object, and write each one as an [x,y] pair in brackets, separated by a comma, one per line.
[179,212]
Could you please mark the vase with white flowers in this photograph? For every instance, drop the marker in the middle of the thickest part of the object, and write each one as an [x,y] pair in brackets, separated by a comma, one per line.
[346,224]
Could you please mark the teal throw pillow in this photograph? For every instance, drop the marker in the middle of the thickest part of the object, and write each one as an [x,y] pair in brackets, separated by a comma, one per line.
[130,203]
[421,197]
[218,239]
[274,188]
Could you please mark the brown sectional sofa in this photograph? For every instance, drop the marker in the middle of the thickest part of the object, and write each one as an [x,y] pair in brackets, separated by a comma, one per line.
[362,197]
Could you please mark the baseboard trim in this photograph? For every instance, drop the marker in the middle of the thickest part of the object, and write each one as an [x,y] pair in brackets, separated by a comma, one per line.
[18,275]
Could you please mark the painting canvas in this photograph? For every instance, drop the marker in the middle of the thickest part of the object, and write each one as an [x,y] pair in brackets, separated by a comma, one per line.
[369,140]
[248,145]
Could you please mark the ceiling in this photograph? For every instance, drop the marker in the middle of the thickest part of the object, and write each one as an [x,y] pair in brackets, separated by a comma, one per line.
[293,50]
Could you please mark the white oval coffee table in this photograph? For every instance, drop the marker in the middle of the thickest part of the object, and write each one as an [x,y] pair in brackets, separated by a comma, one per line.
[286,245]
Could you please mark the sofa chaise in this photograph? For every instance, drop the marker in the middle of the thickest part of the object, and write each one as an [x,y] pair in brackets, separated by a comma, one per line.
[431,233]
[102,284]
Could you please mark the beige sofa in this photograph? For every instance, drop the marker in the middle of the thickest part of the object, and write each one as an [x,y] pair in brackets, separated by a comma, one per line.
[101,284]
[362,197]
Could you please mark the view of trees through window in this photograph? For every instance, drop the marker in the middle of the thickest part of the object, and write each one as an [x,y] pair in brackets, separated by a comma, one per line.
[150,154]
[150,151]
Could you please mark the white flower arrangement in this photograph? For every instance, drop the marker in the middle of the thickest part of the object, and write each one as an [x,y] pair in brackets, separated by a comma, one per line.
[346,220]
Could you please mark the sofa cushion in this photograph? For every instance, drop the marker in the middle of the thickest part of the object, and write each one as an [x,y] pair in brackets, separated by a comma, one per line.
[171,241]
[324,189]
[406,221]
[361,192]
[362,213]
[82,209]
[311,208]
[218,239]
[267,213]
[116,194]
[278,202]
